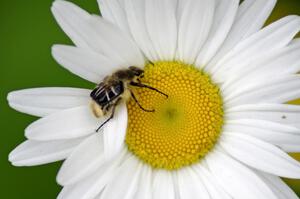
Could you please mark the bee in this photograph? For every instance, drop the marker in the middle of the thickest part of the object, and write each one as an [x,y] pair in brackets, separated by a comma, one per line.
[115,89]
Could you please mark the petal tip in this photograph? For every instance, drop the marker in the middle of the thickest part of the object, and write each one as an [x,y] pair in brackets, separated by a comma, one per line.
[11,156]
[10,96]
[29,134]
[55,5]
[13,159]
[60,179]
[54,49]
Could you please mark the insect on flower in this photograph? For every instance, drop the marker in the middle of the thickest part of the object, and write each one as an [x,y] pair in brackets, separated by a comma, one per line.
[115,88]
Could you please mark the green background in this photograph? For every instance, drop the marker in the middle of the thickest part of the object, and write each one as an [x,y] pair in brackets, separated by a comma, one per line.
[27,31]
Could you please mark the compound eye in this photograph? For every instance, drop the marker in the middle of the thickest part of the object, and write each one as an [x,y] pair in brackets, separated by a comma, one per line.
[137,71]
[142,75]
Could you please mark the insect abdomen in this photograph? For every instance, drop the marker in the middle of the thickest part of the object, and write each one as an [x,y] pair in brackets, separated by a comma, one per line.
[106,94]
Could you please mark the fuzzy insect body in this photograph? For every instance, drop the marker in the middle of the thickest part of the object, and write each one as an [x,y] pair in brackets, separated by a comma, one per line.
[116,88]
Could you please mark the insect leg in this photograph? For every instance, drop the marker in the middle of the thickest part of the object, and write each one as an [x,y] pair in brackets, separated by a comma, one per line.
[138,84]
[110,117]
[136,101]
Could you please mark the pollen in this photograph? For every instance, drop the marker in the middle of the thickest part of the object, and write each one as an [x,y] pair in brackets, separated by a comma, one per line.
[185,126]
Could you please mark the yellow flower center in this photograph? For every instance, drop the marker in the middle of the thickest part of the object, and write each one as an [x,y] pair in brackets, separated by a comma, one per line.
[184,127]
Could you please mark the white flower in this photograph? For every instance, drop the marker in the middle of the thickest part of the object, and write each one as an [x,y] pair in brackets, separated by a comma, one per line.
[225,129]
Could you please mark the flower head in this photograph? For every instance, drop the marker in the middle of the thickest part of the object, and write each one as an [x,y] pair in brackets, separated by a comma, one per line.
[225,128]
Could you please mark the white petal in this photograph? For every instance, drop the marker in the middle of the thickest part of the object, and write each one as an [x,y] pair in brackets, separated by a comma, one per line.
[175,185]
[91,186]
[290,148]
[223,19]
[72,21]
[43,101]
[250,18]
[194,25]
[274,133]
[121,45]
[278,89]
[66,124]
[125,184]
[163,186]
[114,132]
[162,26]
[272,37]
[84,160]
[282,190]
[295,41]
[254,14]
[85,63]
[31,153]
[231,175]
[212,186]
[260,155]
[145,183]
[135,11]
[97,34]
[281,113]
[113,10]
[280,62]
[190,185]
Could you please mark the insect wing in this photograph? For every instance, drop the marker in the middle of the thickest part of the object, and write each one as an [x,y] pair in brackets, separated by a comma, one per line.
[100,95]
[115,91]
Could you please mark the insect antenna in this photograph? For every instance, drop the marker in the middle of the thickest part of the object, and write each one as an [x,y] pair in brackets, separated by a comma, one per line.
[150,62]
[141,85]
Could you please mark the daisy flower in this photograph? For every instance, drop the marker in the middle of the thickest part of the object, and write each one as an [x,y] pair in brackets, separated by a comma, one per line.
[225,130]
